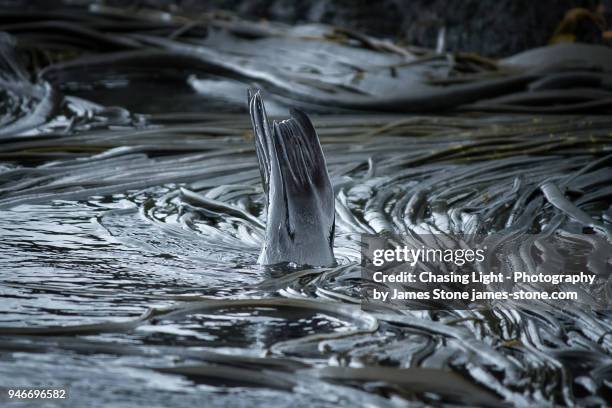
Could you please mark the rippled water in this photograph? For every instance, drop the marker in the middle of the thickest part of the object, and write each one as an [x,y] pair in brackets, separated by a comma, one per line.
[91,242]
[128,249]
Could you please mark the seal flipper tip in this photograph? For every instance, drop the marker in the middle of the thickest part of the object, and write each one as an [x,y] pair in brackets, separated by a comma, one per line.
[307,161]
[262,135]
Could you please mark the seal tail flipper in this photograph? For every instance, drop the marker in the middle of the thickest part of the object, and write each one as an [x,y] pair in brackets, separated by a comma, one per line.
[299,196]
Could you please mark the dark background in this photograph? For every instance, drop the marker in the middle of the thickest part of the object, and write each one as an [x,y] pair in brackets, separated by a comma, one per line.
[491,28]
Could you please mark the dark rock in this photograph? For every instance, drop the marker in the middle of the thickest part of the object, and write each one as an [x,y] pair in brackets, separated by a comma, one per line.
[493,28]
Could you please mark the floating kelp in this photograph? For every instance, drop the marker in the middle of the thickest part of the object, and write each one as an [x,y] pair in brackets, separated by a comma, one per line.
[209,60]
[468,174]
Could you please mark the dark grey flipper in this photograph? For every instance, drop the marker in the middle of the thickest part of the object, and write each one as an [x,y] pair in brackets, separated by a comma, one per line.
[299,195]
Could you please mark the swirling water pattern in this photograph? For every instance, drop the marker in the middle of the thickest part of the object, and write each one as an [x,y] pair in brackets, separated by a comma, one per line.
[92,242]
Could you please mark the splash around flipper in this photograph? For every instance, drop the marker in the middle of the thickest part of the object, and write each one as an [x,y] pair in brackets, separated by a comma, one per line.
[299,194]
